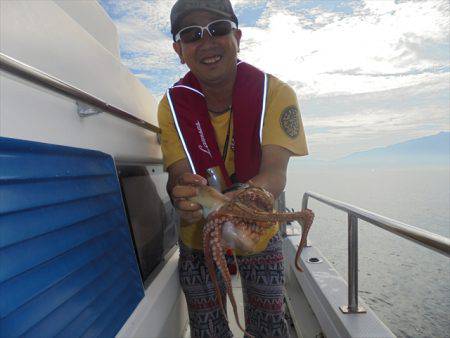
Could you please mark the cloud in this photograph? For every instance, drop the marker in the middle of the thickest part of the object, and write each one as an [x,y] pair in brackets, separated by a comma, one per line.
[319,49]
[315,48]
[367,73]
[145,40]
[339,125]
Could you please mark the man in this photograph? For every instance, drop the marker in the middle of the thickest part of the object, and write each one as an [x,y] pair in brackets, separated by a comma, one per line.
[229,116]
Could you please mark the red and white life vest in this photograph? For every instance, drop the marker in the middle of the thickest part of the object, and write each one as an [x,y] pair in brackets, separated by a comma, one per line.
[193,124]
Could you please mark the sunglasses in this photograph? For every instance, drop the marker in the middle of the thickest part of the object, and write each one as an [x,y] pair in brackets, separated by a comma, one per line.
[195,33]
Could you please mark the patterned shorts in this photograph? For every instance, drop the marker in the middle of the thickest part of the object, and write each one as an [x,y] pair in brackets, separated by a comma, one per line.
[262,285]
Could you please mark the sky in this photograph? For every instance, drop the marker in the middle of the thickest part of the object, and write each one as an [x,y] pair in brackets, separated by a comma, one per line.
[367,73]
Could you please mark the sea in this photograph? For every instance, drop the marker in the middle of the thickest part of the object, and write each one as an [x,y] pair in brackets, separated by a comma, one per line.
[406,285]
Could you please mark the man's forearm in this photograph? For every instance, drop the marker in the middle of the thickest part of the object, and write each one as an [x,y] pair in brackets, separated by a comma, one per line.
[272,173]
[272,181]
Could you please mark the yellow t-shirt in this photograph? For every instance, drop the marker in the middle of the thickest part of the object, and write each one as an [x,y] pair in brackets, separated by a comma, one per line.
[282,126]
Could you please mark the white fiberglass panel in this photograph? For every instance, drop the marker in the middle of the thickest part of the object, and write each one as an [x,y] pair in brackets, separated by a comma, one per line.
[42,35]
[97,23]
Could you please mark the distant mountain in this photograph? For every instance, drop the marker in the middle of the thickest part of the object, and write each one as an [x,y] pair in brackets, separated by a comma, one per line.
[429,150]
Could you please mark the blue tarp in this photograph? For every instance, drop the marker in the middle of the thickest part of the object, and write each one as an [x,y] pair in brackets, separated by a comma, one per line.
[67,264]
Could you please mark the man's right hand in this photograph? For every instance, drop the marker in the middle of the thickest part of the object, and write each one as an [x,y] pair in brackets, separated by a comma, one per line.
[184,188]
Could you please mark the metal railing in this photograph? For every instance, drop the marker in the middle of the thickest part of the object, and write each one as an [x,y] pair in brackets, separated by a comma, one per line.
[39,77]
[422,237]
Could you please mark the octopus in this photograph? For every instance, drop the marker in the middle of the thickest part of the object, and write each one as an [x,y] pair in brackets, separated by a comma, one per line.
[238,223]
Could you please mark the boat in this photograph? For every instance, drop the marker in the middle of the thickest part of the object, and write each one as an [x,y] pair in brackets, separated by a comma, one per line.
[88,235]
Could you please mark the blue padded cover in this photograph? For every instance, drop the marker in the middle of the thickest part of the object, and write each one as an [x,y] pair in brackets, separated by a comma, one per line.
[67,264]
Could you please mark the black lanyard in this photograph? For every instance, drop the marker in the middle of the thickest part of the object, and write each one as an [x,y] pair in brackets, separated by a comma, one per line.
[227,140]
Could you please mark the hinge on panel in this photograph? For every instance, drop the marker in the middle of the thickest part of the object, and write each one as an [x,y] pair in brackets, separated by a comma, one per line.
[85,110]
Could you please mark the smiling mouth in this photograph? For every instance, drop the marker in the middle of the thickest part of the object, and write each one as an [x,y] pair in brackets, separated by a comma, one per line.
[211,60]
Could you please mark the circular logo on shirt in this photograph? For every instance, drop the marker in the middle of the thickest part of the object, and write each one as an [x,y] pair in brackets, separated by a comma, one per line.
[289,121]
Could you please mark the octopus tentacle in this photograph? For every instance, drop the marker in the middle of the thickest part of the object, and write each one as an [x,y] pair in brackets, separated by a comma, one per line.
[219,258]
[251,212]
[305,218]
[209,228]
[305,230]
[236,263]
[248,213]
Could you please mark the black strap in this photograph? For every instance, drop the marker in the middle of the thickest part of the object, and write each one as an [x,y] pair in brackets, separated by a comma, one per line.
[227,140]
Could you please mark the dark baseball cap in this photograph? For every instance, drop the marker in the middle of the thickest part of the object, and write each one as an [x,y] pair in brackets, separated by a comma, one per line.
[184,7]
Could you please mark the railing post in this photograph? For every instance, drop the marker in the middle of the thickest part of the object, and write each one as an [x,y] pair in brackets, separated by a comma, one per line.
[352,306]
[352,262]
[305,201]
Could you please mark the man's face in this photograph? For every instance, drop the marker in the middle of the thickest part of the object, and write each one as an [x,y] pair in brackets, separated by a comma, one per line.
[211,59]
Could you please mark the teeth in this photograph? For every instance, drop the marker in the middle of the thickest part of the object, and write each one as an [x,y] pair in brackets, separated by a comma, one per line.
[212,60]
